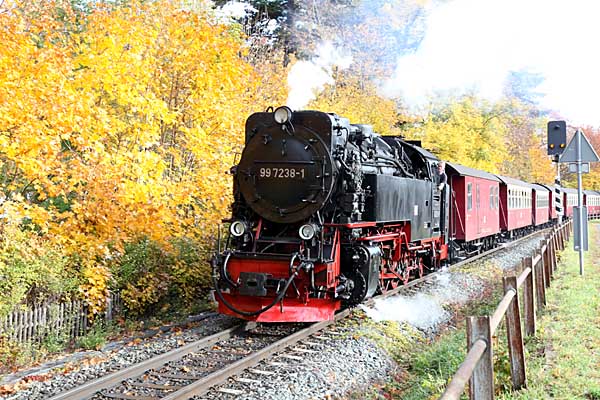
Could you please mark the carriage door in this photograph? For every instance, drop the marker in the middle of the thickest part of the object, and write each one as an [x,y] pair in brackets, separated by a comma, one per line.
[477,208]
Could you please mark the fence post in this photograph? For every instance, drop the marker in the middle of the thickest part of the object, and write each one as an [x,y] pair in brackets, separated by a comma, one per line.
[554,253]
[109,308]
[481,384]
[550,257]
[545,263]
[528,308]
[515,336]
[540,288]
[561,236]
[21,326]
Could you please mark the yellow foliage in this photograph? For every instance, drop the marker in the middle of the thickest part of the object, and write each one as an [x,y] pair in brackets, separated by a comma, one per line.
[95,287]
[122,123]
[358,101]
[467,131]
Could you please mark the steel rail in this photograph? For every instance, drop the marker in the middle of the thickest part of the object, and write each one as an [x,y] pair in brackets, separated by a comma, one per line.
[202,385]
[205,383]
[105,382]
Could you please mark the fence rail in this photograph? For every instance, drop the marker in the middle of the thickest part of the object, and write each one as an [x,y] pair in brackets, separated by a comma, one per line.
[478,368]
[38,323]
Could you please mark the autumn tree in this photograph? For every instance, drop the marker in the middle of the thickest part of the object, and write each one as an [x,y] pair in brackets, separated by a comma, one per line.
[120,124]
[525,142]
[347,97]
[467,131]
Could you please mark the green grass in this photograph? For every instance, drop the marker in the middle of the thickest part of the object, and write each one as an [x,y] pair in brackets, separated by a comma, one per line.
[563,360]
[427,367]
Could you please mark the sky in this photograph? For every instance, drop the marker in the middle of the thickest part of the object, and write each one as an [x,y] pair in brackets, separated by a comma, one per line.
[474,44]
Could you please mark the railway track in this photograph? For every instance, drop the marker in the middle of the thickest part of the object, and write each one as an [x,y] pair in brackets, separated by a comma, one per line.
[193,369]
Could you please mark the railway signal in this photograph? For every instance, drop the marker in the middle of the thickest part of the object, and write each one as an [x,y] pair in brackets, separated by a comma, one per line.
[557,137]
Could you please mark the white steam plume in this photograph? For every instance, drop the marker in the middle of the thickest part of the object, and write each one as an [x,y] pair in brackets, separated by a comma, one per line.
[474,44]
[307,78]
[421,311]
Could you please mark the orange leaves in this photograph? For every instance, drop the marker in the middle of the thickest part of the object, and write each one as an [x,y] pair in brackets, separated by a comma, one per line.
[121,124]
[348,98]
[95,288]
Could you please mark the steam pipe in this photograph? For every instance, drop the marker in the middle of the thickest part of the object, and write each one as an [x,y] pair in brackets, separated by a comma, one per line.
[223,270]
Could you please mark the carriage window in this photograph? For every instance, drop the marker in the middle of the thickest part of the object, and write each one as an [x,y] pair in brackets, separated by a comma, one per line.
[496,190]
[491,197]
[520,201]
[469,197]
[477,195]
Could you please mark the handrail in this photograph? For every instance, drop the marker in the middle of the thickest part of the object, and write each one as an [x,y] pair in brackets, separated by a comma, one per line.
[534,278]
[464,372]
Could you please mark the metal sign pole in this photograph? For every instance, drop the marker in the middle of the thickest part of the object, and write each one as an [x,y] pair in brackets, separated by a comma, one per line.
[580,202]
[577,152]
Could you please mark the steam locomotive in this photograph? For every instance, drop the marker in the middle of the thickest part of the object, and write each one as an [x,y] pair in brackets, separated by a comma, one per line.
[326,214]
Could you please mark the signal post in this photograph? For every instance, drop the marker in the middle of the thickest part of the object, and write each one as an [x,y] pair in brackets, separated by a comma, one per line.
[578,153]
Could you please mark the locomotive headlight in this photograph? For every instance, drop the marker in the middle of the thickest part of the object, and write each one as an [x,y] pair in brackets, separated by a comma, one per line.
[237,228]
[307,231]
[282,115]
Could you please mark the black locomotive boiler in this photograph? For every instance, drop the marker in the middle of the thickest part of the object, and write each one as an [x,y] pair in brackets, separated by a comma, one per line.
[326,213]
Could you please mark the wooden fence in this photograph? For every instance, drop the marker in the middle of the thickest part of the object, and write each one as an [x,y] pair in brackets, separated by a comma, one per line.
[478,368]
[69,320]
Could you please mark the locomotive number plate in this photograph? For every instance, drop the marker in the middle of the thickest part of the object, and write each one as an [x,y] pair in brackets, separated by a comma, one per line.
[281,173]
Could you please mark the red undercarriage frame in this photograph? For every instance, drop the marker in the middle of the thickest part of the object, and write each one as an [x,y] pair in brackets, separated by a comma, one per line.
[402,261]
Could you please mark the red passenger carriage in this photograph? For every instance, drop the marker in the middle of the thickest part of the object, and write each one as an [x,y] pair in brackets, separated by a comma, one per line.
[541,204]
[592,200]
[515,205]
[551,201]
[474,219]
[569,200]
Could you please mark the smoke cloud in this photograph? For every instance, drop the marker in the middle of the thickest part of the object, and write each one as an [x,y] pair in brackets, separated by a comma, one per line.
[473,45]
[307,78]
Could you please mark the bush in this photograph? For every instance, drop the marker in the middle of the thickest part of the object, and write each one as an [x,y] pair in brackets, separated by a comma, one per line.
[94,339]
[32,269]
[155,278]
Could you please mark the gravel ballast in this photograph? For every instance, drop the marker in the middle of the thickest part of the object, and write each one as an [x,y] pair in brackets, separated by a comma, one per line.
[348,361]
[78,368]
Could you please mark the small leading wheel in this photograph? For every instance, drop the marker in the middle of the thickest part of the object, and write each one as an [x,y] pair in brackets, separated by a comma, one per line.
[392,283]
[405,276]
[420,271]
